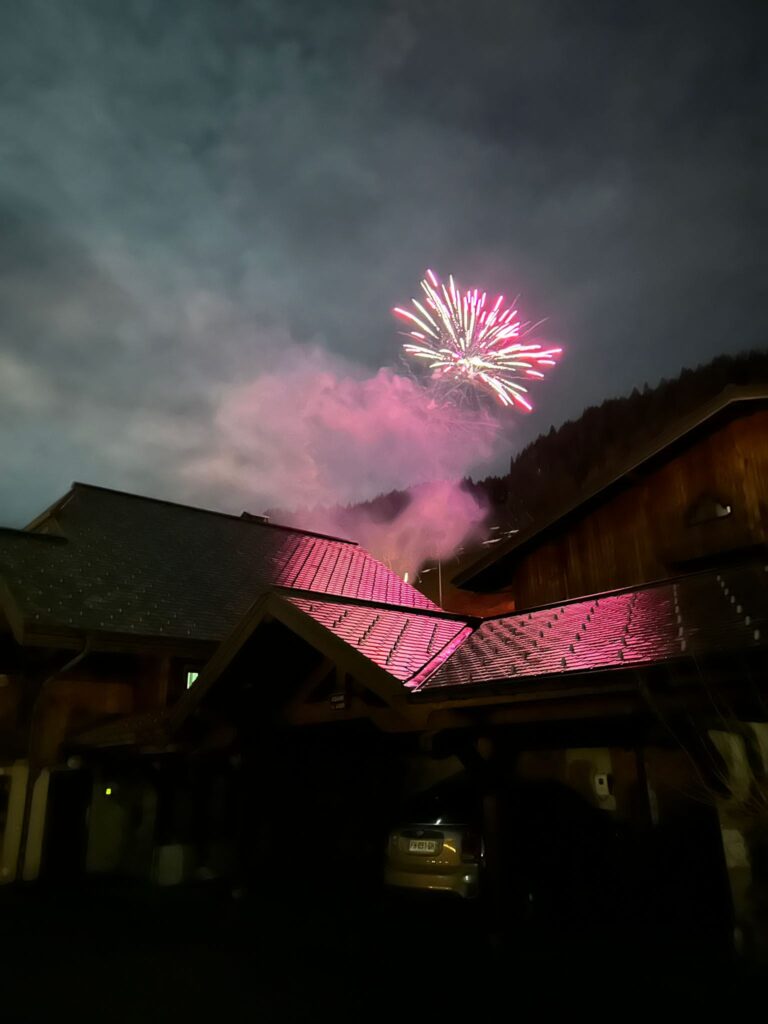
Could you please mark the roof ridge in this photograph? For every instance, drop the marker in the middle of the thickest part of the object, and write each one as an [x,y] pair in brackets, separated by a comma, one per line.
[415,682]
[321,596]
[80,485]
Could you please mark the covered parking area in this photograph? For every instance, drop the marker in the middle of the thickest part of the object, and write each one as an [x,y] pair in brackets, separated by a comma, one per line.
[599,784]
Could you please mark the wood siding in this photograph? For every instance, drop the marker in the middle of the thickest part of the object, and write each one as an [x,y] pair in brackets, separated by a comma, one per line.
[643,532]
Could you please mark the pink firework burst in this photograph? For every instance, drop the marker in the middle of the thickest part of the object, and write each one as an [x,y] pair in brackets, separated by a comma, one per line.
[468,340]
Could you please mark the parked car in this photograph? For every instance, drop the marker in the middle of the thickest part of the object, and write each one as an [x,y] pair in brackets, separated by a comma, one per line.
[438,847]
[437,856]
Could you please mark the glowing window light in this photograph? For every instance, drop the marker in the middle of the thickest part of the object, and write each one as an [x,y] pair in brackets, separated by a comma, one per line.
[191,677]
[108,791]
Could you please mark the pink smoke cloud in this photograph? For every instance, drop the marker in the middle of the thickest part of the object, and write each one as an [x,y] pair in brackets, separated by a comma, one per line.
[438,517]
[316,431]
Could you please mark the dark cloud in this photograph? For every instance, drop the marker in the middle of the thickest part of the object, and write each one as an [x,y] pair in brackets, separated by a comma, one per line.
[184,184]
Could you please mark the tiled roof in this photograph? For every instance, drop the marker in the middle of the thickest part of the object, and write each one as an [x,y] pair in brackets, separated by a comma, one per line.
[697,615]
[128,565]
[446,657]
[342,569]
[400,642]
[152,568]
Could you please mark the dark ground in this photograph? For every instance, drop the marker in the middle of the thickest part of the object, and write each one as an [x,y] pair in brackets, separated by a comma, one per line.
[138,954]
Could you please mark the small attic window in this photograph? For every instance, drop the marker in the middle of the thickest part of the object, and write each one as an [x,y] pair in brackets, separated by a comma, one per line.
[707,509]
[191,677]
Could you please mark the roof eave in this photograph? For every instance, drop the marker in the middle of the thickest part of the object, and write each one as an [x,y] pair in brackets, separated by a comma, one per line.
[48,635]
[552,685]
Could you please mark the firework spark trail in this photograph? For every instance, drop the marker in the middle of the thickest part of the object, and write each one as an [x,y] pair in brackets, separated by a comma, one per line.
[467,341]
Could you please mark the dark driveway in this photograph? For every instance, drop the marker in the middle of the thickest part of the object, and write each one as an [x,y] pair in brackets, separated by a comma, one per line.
[128,953]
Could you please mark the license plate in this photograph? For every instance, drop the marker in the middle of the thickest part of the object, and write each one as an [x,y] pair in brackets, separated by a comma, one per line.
[422,846]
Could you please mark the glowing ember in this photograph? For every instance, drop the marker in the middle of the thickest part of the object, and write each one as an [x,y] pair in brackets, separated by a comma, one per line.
[466,340]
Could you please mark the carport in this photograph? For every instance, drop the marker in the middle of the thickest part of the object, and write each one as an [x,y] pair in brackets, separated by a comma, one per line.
[321,716]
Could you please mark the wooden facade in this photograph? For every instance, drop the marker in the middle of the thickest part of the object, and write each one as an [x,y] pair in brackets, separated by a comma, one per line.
[700,502]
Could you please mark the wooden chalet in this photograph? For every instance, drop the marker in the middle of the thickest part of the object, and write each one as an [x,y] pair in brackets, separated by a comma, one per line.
[110,604]
[189,694]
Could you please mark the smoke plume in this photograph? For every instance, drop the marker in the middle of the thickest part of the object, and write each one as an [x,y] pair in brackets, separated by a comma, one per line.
[314,432]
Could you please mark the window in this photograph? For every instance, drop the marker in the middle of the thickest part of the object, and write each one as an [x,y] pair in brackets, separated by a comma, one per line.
[191,677]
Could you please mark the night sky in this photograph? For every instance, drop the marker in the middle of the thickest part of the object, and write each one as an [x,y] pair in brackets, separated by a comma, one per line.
[190,190]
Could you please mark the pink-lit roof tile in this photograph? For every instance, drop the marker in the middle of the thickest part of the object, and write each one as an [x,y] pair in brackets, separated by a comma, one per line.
[343,570]
[127,564]
[697,615]
[400,642]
